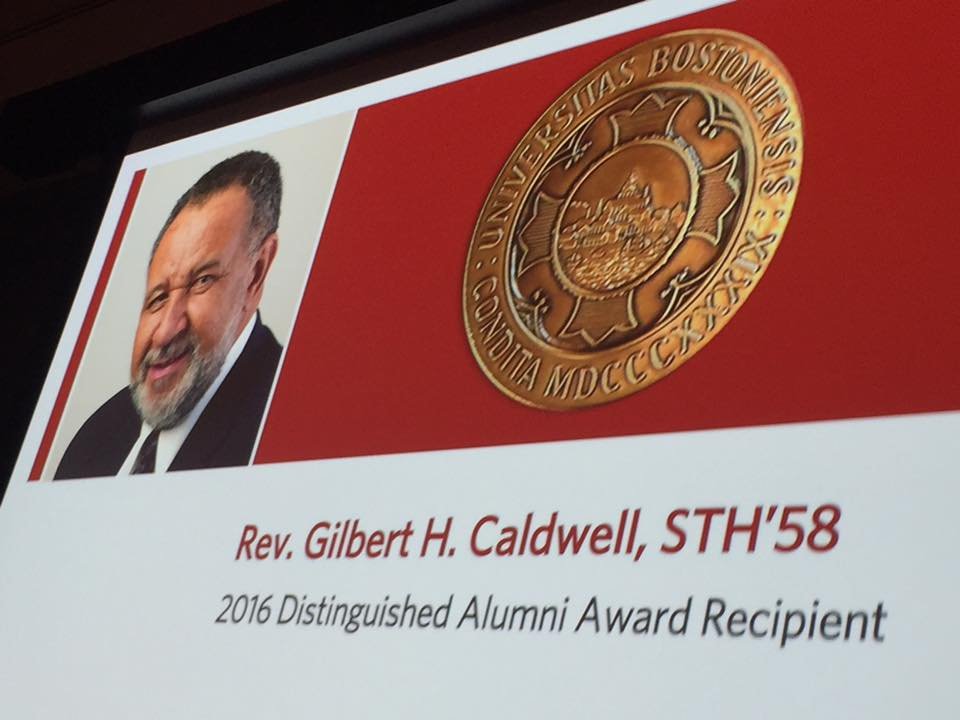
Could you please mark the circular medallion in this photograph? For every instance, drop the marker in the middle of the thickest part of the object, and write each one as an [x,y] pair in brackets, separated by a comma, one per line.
[633,219]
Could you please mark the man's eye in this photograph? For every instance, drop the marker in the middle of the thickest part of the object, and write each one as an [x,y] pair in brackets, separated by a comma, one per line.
[156,302]
[202,283]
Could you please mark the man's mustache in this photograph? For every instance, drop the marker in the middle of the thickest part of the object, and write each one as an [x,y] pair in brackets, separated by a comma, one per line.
[182,344]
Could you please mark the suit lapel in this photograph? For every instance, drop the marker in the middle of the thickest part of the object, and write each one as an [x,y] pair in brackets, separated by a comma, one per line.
[226,430]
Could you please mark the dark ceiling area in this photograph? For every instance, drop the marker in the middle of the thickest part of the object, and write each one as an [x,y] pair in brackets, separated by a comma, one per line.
[82,80]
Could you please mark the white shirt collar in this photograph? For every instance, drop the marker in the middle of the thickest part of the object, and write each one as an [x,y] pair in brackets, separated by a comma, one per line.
[169,441]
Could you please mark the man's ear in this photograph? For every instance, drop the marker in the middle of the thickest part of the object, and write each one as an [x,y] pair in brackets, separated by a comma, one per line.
[262,262]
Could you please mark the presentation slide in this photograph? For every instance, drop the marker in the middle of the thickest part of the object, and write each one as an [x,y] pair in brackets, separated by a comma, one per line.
[608,372]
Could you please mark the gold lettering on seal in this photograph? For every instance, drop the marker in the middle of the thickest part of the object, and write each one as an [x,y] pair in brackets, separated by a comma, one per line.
[630,371]
[687,334]
[558,384]
[583,381]
[659,61]
[758,248]
[657,360]
[608,385]
[529,376]
[586,382]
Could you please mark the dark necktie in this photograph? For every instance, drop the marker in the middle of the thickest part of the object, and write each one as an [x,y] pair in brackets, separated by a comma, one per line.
[147,456]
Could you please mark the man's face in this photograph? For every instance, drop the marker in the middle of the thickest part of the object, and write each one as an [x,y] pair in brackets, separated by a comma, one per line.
[202,287]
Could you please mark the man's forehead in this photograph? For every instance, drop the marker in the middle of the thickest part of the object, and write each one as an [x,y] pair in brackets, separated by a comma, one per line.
[216,228]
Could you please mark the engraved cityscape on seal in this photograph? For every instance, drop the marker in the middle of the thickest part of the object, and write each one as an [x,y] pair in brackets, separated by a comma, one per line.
[633,219]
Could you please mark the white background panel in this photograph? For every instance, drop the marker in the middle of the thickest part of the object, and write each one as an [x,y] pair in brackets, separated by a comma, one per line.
[117,583]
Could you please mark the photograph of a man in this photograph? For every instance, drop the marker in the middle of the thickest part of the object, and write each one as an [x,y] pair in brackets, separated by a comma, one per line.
[202,363]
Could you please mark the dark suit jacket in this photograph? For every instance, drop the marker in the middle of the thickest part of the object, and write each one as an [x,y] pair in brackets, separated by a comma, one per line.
[222,437]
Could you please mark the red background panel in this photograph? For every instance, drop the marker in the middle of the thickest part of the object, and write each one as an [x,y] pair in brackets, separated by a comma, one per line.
[857,315]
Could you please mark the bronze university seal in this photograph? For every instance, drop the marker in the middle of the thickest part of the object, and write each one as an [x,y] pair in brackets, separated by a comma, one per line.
[633,219]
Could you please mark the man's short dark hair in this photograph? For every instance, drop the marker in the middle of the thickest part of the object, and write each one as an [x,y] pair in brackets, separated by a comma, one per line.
[257,173]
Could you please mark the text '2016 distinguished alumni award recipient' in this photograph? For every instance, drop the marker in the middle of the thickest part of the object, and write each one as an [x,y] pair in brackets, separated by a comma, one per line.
[203,363]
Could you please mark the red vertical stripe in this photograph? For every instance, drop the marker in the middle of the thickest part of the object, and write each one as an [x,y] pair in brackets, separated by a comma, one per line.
[91,315]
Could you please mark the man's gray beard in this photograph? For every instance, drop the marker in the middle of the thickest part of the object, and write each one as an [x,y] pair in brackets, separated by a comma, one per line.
[202,369]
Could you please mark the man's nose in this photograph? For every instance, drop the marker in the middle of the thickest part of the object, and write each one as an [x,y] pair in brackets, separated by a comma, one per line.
[173,319]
